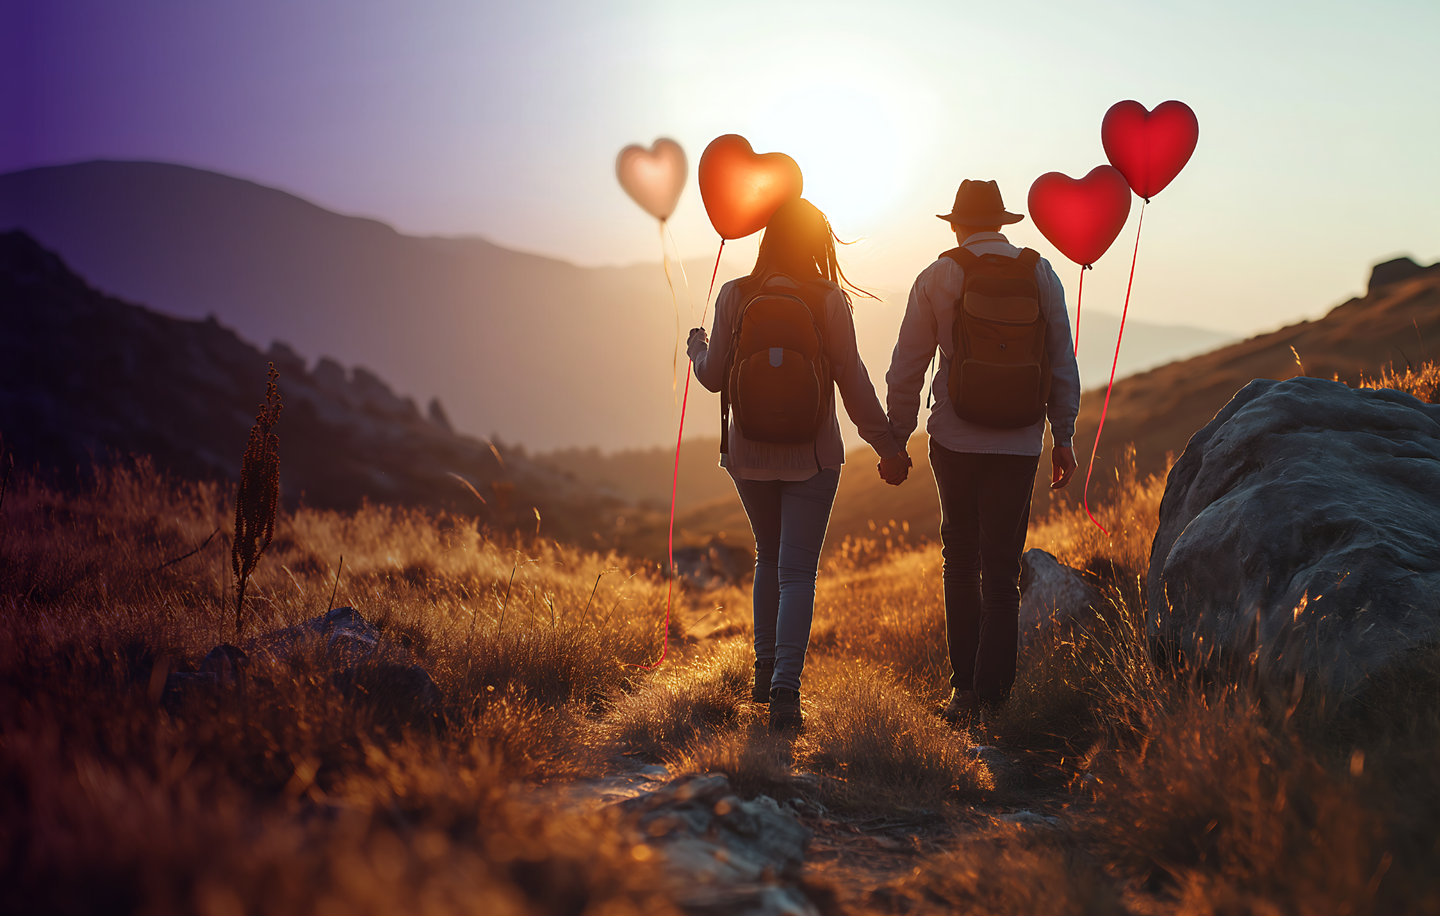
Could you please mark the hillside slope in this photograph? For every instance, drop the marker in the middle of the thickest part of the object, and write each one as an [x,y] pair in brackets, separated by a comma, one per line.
[1396,322]
[83,374]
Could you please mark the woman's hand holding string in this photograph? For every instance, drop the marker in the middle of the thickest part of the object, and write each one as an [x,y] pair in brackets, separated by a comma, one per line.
[698,343]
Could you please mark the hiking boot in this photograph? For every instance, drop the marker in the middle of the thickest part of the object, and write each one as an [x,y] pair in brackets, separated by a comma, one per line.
[962,707]
[785,712]
[760,690]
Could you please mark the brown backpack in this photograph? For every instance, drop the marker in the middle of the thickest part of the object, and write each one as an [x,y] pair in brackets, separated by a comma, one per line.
[777,374]
[999,370]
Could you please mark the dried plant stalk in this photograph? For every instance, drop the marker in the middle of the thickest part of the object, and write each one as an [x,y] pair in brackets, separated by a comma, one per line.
[258,496]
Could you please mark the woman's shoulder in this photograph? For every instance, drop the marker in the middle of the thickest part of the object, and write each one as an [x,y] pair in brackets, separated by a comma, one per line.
[814,289]
[729,293]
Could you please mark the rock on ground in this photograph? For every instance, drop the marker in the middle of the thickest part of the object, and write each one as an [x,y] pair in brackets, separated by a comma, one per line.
[1301,527]
[1051,593]
[714,564]
[362,663]
[725,855]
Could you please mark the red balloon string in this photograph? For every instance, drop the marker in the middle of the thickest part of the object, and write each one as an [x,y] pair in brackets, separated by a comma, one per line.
[713,274]
[1079,294]
[675,481]
[1111,386]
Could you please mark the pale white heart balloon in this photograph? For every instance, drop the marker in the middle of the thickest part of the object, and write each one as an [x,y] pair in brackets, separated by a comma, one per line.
[655,177]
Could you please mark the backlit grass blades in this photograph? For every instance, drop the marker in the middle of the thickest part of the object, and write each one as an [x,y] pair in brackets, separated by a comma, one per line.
[257,497]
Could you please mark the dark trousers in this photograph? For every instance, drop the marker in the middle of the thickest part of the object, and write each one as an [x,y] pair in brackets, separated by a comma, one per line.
[984,514]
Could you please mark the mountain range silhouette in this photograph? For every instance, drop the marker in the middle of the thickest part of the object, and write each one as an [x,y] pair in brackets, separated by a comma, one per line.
[526,348]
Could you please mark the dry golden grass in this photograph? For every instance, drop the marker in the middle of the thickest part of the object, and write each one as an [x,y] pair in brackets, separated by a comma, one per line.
[1130,516]
[1422,381]
[886,749]
[682,703]
[297,800]
[1005,869]
[1172,795]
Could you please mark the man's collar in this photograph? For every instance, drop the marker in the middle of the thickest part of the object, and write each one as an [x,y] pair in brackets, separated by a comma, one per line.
[984,237]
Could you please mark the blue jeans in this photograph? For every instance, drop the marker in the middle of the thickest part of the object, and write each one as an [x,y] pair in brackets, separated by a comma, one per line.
[789,518]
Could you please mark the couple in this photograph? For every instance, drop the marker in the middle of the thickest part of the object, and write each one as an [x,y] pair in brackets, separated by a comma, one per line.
[786,471]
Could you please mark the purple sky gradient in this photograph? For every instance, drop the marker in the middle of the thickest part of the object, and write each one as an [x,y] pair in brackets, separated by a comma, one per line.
[1317,151]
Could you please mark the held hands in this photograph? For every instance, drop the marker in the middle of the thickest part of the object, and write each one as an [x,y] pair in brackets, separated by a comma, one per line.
[697,344]
[1062,466]
[895,469]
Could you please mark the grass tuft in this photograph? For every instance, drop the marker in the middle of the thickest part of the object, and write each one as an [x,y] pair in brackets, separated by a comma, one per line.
[683,704]
[885,747]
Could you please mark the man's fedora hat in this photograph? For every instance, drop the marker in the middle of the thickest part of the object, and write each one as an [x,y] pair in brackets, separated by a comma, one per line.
[978,203]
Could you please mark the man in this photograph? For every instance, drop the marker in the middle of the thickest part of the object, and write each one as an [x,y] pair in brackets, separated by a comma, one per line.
[985,475]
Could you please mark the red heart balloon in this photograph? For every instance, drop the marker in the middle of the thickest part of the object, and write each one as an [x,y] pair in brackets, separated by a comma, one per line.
[1149,147]
[741,189]
[1081,218]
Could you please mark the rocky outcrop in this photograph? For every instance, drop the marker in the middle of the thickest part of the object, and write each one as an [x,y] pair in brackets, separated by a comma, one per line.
[367,668]
[1397,270]
[1052,594]
[1301,527]
[723,854]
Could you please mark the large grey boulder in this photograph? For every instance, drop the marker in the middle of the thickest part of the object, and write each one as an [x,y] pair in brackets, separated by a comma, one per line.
[1301,527]
[724,854]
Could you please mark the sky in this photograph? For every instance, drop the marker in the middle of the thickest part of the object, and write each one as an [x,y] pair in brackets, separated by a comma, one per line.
[1317,154]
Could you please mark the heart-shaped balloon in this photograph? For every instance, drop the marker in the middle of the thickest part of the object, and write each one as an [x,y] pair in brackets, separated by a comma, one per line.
[655,177]
[1081,217]
[1149,147]
[742,189]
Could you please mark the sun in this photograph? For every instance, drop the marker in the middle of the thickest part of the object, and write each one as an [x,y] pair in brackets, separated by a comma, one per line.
[850,144]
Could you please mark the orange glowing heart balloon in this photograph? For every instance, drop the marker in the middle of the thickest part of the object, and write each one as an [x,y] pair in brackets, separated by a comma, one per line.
[655,177]
[741,189]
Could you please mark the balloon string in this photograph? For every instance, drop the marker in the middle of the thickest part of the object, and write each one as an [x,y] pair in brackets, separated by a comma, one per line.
[675,483]
[1111,386]
[675,353]
[680,262]
[1079,294]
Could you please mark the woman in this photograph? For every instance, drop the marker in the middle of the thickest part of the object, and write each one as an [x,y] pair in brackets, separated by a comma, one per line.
[788,488]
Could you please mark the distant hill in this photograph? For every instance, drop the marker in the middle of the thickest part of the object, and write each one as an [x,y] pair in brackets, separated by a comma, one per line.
[1395,323]
[644,475]
[84,375]
[527,348]
[534,349]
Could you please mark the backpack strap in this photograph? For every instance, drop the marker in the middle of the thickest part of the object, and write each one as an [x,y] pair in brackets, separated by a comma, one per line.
[725,379]
[1028,258]
[962,256]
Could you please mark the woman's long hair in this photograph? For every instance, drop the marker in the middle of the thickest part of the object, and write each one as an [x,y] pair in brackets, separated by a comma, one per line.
[799,243]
